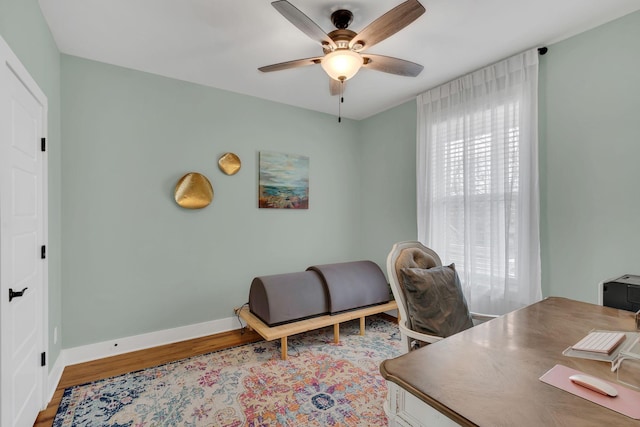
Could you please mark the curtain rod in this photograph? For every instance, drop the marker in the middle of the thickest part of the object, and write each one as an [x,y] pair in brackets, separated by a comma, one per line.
[542,50]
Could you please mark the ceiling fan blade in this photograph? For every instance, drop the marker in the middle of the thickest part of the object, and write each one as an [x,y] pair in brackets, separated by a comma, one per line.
[336,87]
[389,24]
[303,22]
[291,64]
[391,65]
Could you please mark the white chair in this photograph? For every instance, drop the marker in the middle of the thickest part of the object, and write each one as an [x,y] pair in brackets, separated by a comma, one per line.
[429,259]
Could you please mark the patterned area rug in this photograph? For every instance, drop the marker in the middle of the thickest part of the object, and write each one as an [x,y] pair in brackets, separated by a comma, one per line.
[321,384]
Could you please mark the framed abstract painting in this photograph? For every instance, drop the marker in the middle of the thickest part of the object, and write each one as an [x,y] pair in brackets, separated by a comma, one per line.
[283,181]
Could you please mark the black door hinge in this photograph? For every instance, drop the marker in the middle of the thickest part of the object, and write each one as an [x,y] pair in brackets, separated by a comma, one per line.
[43,359]
[43,144]
[43,252]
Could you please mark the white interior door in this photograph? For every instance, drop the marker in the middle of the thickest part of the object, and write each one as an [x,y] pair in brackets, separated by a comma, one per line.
[22,235]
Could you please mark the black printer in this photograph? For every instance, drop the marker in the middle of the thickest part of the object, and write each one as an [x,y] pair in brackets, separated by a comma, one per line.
[623,293]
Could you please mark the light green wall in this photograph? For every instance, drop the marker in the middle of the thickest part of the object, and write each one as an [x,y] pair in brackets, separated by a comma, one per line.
[133,260]
[590,109]
[24,29]
[589,164]
[128,136]
[388,181]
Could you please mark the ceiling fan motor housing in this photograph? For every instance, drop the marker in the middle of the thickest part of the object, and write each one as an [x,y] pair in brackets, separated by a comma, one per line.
[341,38]
[342,18]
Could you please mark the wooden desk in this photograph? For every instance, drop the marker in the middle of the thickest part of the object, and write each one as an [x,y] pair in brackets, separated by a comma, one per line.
[488,375]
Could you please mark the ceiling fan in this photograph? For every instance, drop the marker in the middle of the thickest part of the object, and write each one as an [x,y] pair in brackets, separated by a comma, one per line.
[343,48]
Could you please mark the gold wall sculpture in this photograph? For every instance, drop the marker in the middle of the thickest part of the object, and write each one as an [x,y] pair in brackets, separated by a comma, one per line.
[193,191]
[229,163]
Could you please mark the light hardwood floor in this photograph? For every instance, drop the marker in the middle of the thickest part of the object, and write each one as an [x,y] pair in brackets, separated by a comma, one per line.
[130,362]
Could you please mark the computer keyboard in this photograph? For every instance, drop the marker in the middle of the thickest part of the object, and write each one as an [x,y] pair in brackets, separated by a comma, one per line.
[600,342]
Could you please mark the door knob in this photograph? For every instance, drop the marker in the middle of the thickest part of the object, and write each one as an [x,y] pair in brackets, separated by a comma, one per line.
[15,294]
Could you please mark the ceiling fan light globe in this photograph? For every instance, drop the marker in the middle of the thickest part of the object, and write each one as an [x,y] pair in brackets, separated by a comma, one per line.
[342,64]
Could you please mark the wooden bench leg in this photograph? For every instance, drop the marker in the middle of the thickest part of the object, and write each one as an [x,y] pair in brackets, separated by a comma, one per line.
[362,325]
[283,348]
[336,333]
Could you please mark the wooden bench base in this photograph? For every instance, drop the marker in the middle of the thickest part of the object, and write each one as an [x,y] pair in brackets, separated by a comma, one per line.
[270,333]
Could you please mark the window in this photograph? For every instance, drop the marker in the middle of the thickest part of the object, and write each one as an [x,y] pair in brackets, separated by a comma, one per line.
[477,182]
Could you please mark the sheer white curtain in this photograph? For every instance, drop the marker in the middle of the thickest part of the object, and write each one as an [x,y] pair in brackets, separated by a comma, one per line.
[477,181]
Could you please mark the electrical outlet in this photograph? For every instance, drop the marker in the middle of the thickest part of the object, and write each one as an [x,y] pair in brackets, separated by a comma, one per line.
[55,335]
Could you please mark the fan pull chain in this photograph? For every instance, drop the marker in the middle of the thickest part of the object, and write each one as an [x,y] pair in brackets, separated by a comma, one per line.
[341,100]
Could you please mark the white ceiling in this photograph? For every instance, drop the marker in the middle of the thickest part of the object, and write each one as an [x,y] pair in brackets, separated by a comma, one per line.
[221,43]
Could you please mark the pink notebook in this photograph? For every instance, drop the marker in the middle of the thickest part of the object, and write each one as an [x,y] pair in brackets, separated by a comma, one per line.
[627,402]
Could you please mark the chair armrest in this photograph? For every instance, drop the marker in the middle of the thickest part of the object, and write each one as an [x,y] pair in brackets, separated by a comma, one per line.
[418,335]
[481,317]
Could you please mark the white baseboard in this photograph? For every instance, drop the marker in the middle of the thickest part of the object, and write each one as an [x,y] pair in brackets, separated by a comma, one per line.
[55,374]
[85,353]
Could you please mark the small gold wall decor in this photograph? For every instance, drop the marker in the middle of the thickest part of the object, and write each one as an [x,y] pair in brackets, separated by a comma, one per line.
[229,163]
[193,191]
